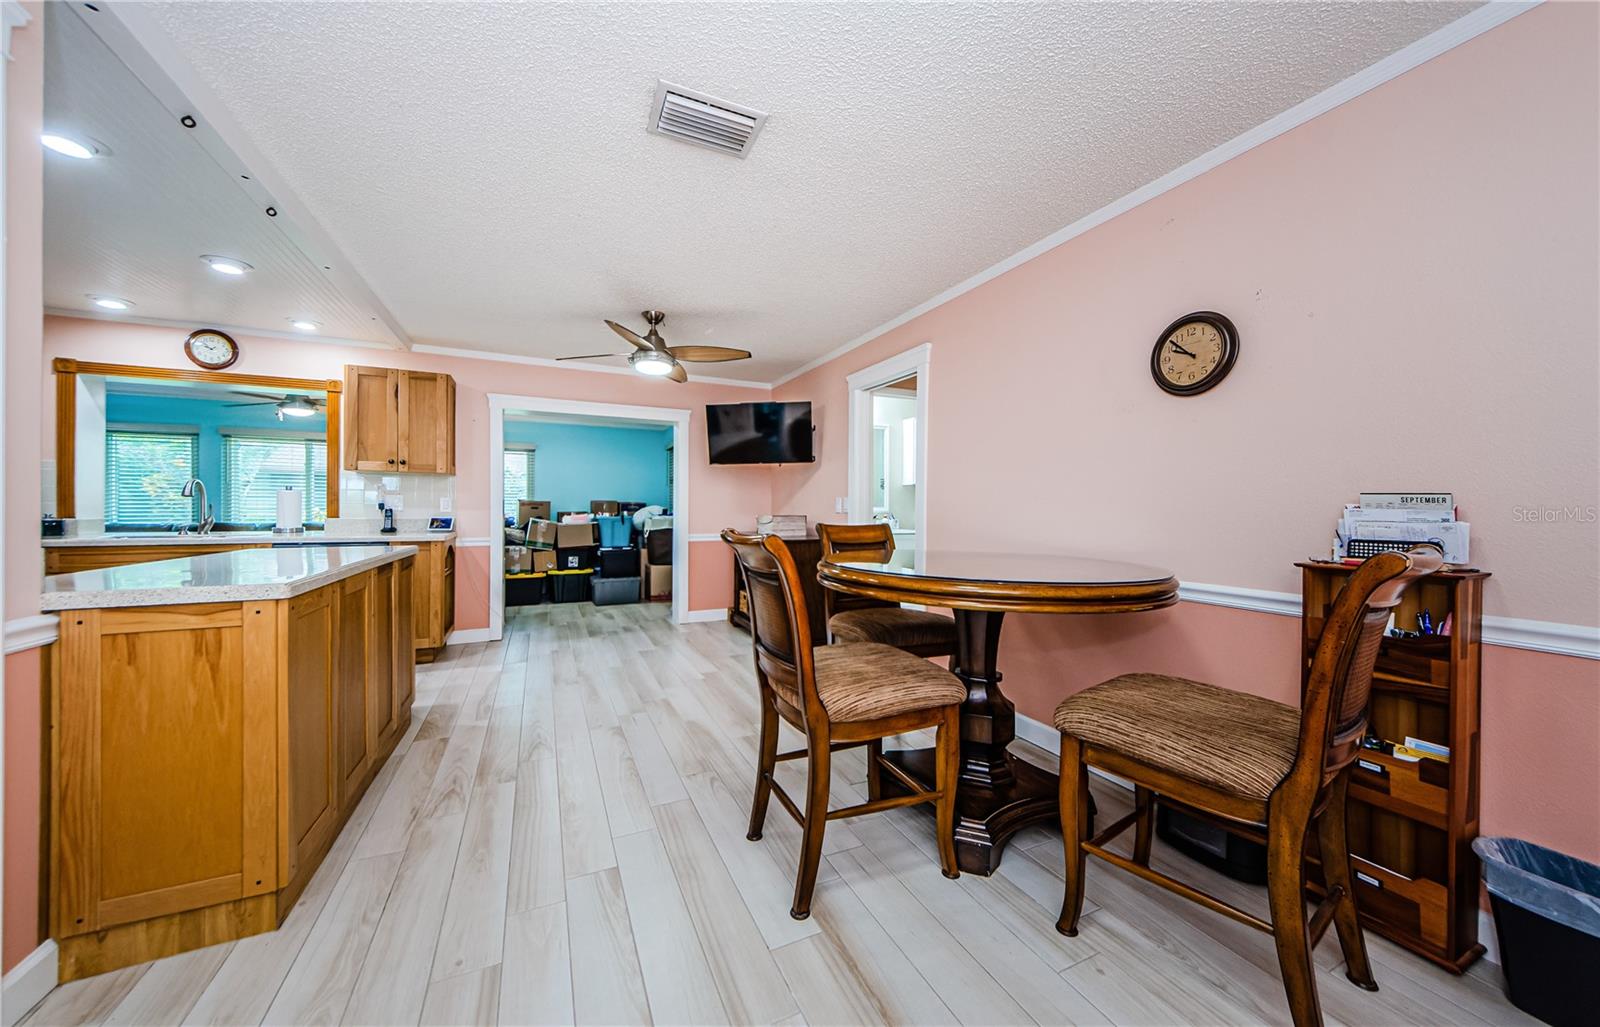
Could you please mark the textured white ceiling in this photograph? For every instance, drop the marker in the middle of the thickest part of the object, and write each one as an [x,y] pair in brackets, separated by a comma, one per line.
[134,224]
[487,169]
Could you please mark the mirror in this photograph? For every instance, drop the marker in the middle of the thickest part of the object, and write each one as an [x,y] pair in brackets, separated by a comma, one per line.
[129,439]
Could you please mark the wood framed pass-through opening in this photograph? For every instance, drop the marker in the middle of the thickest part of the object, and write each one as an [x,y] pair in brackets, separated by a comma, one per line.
[68,370]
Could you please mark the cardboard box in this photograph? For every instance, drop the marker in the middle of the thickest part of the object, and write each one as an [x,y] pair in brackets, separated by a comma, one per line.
[544,560]
[571,536]
[528,509]
[543,534]
[604,506]
[519,560]
[657,581]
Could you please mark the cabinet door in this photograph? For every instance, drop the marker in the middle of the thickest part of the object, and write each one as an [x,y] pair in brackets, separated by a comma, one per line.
[427,422]
[372,425]
[447,590]
[423,589]
[351,682]
[163,772]
[382,708]
[309,690]
[405,653]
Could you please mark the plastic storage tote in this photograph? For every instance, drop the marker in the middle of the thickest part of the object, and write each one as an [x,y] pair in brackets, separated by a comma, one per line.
[525,589]
[614,530]
[570,586]
[1547,917]
[616,591]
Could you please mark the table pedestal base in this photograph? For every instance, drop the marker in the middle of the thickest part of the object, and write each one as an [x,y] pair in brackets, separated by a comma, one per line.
[986,818]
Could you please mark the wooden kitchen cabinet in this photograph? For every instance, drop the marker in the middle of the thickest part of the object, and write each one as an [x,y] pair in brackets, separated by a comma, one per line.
[399,421]
[433,603]
[204,757]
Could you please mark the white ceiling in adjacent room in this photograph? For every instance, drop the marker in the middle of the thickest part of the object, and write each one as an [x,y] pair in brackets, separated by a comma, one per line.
[488,169]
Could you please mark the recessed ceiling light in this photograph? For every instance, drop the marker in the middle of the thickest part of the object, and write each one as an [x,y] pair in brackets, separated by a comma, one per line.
[111,303]
[305,326]
[226,265]
[82,148]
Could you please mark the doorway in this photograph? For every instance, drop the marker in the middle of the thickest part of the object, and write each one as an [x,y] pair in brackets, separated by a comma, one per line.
[663,430]
[889,450]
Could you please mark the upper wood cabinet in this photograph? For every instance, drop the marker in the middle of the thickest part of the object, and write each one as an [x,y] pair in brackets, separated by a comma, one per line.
[400,421]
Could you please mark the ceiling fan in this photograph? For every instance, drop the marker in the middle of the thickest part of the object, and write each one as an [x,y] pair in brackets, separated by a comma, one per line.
[288,405]
[652,355]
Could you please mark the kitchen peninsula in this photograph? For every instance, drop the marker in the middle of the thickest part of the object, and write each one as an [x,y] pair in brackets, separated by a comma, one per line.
[215,720]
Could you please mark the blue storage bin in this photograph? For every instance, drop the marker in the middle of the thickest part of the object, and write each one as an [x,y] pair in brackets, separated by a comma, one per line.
[614,531]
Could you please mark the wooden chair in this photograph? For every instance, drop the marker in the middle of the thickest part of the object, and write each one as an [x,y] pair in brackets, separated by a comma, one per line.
[852,618]
[1243,761]
[839,697]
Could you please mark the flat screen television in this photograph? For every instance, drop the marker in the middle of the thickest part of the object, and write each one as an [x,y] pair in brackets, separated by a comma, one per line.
[760,433]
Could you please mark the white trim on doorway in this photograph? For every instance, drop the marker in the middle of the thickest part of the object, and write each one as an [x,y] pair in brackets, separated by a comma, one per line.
[914,361]
[673,417]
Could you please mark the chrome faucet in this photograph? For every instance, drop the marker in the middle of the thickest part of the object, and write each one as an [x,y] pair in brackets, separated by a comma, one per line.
[206,519]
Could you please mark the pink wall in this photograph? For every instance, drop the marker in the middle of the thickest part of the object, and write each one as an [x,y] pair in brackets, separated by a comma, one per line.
[24,201]
[1413,278]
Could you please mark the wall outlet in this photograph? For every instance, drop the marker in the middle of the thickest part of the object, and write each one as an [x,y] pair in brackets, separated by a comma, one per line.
[838,504]
[444,504]
[396,503]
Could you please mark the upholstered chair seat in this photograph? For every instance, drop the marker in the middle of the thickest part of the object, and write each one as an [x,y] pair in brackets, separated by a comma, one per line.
[1236,743]
[894,625]
[868,681]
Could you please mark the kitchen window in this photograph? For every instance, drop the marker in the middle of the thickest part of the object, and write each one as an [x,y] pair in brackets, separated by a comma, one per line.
[256,467]
[517,479]
[145,474]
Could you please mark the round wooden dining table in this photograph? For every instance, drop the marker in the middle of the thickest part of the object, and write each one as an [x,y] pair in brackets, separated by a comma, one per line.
[998,794]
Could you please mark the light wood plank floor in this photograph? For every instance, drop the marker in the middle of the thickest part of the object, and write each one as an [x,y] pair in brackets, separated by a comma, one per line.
[560,838]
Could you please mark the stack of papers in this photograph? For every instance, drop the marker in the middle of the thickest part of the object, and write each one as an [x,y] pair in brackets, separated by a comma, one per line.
[1405,517]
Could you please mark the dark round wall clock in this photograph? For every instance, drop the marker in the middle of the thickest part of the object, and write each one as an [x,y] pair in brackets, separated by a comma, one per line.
[1194,353]
[211,349]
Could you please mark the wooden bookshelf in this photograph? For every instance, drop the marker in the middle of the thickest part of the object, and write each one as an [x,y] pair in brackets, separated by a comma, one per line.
[1411,824]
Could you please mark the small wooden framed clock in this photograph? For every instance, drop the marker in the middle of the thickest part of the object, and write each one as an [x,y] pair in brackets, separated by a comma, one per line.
[1194,353]
[211,349]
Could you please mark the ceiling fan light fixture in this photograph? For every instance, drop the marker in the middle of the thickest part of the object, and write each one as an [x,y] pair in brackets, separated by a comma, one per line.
[297,406]
[654,364]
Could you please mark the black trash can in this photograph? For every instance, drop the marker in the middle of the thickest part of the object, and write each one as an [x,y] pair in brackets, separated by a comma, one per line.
[1547,919]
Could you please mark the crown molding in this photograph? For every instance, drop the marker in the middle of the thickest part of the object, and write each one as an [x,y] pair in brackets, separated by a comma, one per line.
[1469,26]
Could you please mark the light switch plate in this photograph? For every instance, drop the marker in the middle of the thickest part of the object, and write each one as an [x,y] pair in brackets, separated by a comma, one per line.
[444,504]
[838,504]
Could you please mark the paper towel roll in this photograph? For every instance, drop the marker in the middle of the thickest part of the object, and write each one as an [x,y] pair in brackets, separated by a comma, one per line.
[290,510]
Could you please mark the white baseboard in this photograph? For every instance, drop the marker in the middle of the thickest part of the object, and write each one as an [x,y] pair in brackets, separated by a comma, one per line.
[1045,736]
[1487,938]
[703,616]
[28,982]
[462,636]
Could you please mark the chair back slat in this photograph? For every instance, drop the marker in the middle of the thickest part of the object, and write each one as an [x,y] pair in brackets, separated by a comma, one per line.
[1333,716]
[867,542]
[780,631]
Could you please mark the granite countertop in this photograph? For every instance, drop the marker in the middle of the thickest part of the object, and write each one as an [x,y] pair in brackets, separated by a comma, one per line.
[240,576]
[243,538]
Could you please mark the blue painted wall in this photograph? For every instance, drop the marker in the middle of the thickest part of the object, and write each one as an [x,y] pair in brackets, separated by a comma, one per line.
[577,463]
[209,416]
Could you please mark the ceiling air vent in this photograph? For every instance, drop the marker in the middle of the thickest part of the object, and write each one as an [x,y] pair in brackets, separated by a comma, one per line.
[704,120]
